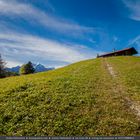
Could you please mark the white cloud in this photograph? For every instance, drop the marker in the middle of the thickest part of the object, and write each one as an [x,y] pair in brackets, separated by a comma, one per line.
[10,63]
[28,43]
[134,8]
[15,9]
[20,47]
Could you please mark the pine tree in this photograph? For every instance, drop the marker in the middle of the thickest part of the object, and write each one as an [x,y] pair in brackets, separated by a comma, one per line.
[27,68]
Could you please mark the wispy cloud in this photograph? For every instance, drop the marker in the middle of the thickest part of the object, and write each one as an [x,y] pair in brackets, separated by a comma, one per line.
[13,63]
[19,47]
[23,47]
[16,9]
[134,9]
[115,38]
[135,42]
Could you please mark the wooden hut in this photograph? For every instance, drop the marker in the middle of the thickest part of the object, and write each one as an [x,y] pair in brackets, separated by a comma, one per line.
[124,52]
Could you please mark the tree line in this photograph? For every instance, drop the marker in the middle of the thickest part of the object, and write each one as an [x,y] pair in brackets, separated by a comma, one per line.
[25,69]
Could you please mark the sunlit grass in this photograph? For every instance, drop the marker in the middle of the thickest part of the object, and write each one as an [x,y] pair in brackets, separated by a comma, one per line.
[128,69]
[76,100]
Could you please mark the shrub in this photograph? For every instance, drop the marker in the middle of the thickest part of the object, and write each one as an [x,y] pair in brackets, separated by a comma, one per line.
[27,68]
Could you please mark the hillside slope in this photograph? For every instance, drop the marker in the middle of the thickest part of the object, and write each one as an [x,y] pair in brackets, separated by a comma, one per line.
[82,99]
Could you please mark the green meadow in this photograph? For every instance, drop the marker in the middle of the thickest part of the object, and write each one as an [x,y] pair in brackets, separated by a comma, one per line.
[81,99]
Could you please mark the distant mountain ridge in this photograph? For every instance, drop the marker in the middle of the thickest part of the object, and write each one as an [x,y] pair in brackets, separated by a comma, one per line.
[38,68]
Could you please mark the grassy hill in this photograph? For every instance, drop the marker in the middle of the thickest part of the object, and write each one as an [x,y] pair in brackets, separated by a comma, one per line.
[82,99]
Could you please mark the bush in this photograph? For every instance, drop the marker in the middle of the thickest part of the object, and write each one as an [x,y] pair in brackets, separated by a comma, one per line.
[27,68]
[9,73]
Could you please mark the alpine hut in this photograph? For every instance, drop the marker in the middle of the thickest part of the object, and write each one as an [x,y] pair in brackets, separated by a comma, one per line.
[124,52]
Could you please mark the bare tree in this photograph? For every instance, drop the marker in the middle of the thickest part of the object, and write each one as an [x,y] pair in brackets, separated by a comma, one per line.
[2,67]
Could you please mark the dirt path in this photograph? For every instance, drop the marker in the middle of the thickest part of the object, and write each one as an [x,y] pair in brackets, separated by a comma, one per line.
[118,88]
[111,71]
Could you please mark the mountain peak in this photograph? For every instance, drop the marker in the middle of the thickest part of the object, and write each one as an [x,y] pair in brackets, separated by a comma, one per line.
[38,68]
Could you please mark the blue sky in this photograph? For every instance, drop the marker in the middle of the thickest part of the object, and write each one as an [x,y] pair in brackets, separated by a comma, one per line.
[60,32]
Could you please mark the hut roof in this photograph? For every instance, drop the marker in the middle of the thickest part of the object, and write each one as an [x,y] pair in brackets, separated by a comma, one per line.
[131,49]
